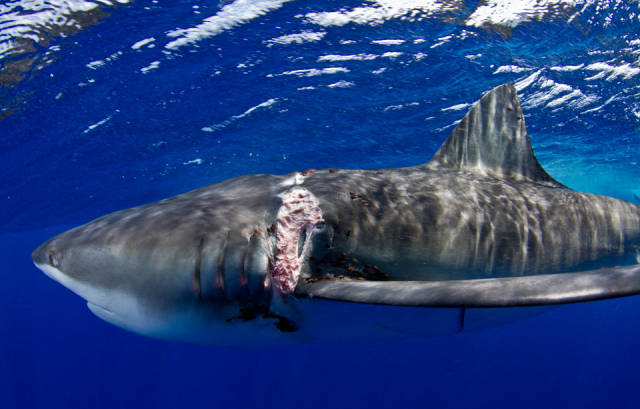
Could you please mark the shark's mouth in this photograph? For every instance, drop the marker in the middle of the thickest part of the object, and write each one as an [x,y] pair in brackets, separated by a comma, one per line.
[296,222]
[77,287]
[93,296]
[101,311]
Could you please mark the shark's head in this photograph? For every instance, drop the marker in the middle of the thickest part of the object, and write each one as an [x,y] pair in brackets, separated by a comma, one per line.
[190,267]
[143,286]
[75,265]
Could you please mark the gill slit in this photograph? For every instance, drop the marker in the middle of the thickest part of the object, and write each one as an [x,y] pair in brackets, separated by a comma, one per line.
[197,273]
[220,273]
[242,273]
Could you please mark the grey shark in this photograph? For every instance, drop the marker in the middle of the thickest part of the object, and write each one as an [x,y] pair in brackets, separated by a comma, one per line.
[475,235]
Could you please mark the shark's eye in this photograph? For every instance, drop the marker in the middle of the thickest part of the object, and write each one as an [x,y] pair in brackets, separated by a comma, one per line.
[54,260]
[320,226]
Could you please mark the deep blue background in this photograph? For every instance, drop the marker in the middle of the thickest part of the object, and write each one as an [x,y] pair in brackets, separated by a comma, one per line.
[57,171]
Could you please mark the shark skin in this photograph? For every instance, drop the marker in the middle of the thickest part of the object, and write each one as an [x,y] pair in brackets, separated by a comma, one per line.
[478,236]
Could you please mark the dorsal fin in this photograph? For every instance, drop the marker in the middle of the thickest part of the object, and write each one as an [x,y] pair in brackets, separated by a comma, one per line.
[492,139]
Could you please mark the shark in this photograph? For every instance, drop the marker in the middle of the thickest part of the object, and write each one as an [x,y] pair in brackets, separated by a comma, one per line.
[478,236]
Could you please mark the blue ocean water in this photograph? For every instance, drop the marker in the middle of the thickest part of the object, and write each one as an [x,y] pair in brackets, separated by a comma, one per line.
[110,104]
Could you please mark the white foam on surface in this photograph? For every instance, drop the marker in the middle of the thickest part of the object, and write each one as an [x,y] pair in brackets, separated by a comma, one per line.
[527,81]
[142,43]
[358,57]
[612,72]
[552,94]
[196,161]
[223,124]
[380,11]
[298,38]
[97,124]
[400,106]
[457,107]
[441,41]
[566,68]
[313,72]
[36,20]
[94,65]
[511,68]
[265,104]
[233,14]
[391,41]
[352,57]
[152,66]
[341,84]
[510,13]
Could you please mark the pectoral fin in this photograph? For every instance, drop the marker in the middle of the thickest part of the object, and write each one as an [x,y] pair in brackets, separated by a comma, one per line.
[544,289]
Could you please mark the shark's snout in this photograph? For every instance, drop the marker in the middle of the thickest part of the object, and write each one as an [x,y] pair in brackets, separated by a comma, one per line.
[48,257]
[47,254]
[39,255]
[65,260]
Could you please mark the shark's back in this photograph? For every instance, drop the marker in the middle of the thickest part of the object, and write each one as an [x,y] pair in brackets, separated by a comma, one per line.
[482,207]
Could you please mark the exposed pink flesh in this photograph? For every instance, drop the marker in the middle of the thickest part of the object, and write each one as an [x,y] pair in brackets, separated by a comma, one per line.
[299,212]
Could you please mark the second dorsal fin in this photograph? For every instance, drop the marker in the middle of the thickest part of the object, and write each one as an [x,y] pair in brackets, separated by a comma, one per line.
[492,139]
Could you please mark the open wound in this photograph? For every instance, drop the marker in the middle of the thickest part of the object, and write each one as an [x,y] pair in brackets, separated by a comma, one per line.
[296,222]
